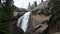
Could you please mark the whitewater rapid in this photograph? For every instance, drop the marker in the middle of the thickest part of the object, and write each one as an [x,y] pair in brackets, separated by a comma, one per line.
[23,21]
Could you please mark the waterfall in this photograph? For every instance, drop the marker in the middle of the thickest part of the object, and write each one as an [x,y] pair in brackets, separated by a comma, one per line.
[23,21]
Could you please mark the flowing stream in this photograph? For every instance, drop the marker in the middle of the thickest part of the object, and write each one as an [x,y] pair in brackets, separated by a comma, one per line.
[23,21]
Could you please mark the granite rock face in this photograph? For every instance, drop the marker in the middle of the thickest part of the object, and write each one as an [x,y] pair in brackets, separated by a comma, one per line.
[39,19]
[17,12]
[15,29]
[38,24]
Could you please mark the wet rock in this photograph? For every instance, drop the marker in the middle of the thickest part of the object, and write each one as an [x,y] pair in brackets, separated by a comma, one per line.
[14,28]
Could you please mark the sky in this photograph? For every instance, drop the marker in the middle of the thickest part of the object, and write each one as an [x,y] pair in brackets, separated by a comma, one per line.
[24,3]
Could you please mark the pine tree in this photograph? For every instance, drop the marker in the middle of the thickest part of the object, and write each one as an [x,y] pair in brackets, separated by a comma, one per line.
[29,6]
[41,0]
[35,3]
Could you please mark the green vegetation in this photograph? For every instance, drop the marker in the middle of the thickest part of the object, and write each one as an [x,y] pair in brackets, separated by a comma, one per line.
[56,11]
[5,15]
[55,19]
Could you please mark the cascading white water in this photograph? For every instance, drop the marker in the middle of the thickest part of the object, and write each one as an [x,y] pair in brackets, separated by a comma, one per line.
[23,21]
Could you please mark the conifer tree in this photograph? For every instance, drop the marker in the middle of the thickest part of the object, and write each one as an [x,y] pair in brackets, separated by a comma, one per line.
[29,6]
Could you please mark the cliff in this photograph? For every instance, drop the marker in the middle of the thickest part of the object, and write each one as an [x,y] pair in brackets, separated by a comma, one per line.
[39,18]
[42,19]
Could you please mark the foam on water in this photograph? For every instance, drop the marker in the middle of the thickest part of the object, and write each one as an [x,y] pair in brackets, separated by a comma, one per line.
[23,20]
